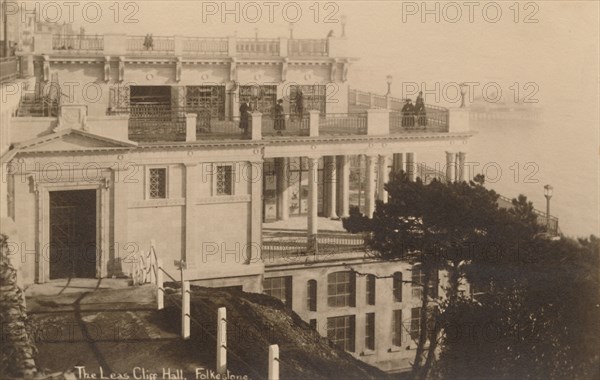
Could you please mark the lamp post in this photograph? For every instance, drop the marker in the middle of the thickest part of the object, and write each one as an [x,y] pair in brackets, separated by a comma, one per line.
[389,84]
[291,27]
[463,92]
[343,20]
[548,194]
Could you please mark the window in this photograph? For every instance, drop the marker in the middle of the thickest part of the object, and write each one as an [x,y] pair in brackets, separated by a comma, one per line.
[397,328]
[418,280]
[341,289]
[340,330]
[311,295]
[370,331]
[280,288]
[157,183]
[370,289]
[224,180]
[313,324]
[415,322]
[397,278]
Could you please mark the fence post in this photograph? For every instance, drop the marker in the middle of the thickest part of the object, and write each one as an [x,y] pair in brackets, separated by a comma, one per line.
[160,291]
[222,340]
[185,309]
[273,362]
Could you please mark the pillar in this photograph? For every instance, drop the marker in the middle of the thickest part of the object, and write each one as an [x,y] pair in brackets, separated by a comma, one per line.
[331,179]
[344,186]
[450,173]
[461,175]
[370,191]
[191,186]
[283,209]
[398,162]
[383,178]
[410,166]
[313,177]
[253,254]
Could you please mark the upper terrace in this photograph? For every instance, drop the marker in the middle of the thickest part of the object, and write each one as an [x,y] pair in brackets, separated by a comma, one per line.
[186,47]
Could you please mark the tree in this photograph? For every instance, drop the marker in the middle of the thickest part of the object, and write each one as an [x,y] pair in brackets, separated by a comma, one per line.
[440,227]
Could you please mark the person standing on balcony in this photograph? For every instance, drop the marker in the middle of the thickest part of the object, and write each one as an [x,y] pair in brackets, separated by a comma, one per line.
[244,116]
[420,111]
[408,112]
[300,104]
[279,117]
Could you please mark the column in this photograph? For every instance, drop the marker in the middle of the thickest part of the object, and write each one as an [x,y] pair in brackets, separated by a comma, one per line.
[190,219]
[370,191]
[120,204]
[398,162]
[313,177]
[283,209]
[253,254]
[410,166]
[344,186]
[383,178]
[461,175]
[450,173]
[331,179]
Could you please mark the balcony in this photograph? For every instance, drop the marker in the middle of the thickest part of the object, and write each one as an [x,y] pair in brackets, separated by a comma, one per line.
[186,46]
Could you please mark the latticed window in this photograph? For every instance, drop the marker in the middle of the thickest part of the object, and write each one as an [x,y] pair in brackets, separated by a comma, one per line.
[415,322]
[224,180]
[341,289]
[340,330]
[314,97]
[280,288]
[158,183]
[397,328]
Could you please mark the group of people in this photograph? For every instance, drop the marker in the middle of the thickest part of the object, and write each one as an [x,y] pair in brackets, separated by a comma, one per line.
[414,114]
[278,113]
[149,42]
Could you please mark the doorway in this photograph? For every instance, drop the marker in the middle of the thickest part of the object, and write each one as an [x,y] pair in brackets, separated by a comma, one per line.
[73,234]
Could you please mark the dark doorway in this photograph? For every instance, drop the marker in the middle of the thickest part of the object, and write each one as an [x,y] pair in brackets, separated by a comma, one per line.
[73,234]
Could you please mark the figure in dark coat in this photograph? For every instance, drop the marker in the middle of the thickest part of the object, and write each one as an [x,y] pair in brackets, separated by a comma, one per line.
[420,111]
[279,117]
[244,116]
[408,114]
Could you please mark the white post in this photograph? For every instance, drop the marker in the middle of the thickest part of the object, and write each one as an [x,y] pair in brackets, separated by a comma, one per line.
[160,290]
[273,362]
[185,310]
[222,340]
[370,193]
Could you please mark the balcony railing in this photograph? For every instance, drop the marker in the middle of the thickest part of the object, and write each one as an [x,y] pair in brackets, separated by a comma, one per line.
[335,124]
[196,46]
[9,69]
[286,125]
[77,43]
[208,127]
[308,48]
[258,47]
[156,45]
[293,245]
[431,121]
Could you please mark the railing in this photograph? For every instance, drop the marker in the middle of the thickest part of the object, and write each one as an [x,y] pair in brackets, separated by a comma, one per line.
[286,125]
[155,122]
[77,43]
[380,101]
[9,69]
[551,222]
[307,47]
[297,246]
[258,47]
[197,46]
[343,124]
[143,45]
[214,127]
[436,121]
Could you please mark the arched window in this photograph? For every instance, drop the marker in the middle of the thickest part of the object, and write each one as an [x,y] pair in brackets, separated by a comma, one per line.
[311,295]
[341,289]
